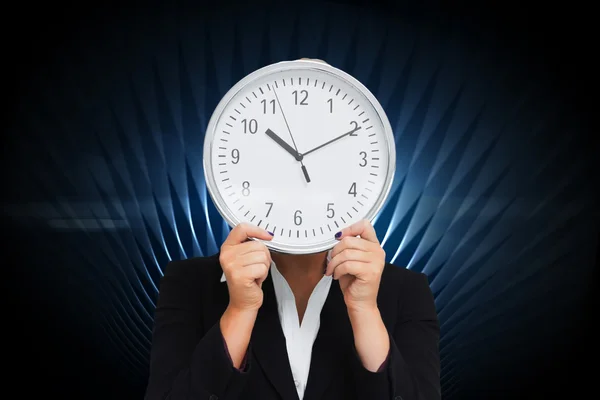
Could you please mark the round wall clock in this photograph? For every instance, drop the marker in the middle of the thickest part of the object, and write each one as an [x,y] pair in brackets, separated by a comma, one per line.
[301,149]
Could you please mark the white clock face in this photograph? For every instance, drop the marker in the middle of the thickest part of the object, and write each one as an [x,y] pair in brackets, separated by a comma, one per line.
[300,149]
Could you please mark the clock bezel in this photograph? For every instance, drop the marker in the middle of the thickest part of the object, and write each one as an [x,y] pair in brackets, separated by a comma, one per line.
[303,64]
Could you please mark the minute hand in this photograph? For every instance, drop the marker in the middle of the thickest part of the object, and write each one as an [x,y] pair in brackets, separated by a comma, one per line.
[331,141]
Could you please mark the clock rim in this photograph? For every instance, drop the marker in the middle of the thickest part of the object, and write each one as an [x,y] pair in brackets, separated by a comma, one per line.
[280,66]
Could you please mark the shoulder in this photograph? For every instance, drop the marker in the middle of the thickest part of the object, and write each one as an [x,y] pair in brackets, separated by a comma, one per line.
[394,276]
[194,271]
[186,283]
[408,289]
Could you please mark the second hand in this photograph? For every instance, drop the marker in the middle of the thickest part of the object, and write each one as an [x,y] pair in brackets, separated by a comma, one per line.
[304,171]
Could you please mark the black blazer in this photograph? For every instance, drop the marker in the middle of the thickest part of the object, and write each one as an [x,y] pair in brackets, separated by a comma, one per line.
[189,360]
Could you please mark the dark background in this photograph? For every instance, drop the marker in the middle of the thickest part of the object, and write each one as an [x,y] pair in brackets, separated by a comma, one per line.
[517,319]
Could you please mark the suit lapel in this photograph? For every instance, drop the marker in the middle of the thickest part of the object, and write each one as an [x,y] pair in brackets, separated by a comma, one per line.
[269,346]
[331,344]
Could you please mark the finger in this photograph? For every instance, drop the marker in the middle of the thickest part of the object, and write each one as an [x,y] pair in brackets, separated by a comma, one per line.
[263,277]
[255,257]
[244,231]
[256,272]
[249,247]
[347,255]
[351,242]
[354,268]
[362,228]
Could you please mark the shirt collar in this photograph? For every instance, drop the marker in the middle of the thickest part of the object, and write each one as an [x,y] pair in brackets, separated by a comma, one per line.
[223,279]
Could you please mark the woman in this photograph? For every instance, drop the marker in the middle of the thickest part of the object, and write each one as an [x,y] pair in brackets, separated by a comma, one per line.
[334,325]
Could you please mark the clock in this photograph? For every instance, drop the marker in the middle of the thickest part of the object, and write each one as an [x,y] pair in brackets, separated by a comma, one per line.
[301,149]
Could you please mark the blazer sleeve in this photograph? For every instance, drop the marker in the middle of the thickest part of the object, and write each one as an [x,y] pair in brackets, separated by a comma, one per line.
[188,361]
[412,369]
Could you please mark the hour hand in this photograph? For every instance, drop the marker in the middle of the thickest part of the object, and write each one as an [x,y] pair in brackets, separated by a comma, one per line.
[283,144]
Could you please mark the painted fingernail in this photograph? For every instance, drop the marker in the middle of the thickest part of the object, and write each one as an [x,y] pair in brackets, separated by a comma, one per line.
[271,233]
[338,235]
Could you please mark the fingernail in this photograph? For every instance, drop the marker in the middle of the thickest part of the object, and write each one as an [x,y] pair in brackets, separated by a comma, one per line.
[338,235]
[271,233]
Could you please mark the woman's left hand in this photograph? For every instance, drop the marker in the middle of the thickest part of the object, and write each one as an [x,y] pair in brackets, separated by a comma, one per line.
[357,262]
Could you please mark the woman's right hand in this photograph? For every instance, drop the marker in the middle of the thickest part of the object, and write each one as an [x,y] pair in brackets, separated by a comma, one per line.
[246,265]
